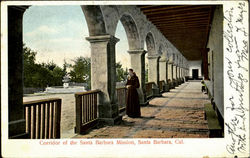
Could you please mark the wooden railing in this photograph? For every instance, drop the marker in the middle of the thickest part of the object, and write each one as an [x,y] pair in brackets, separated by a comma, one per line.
[149,89]
[121,94]
[43,118]
[161,83]
[86,110]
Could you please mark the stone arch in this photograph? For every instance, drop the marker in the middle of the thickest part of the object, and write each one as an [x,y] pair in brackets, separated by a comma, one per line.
[95,20]
[160,50]
[150,43]
[131,31]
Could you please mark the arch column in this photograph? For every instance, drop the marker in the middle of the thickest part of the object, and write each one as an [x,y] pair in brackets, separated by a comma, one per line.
[178,74]
[15,72]
[182,75]
[153,73]
[137,58]
[170,74]
[103,76]
[175,75]
[163,64]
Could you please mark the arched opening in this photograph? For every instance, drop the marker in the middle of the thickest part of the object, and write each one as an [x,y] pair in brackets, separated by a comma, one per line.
[57,57]
[131,31]
[122,56]
[126,55]
[150,44]
[94,18]
[152,87]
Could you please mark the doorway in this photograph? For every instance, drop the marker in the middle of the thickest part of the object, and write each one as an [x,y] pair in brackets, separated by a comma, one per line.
[195,74]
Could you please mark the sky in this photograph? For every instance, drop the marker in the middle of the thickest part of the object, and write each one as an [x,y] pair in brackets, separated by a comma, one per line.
[58,33]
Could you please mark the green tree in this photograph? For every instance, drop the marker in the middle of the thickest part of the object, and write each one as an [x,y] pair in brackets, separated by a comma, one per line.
[81,71]
[40,75]
[121,74]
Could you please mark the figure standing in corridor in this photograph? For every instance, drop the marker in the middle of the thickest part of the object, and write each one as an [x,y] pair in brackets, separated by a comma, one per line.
[133,106]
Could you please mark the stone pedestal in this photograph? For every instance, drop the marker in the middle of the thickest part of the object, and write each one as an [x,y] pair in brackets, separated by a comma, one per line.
[137,58]
[15,72]
[153,73]
[103,76]
[167,87]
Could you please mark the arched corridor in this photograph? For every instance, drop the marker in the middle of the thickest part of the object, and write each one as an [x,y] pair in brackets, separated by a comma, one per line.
[186,94]
[170,63]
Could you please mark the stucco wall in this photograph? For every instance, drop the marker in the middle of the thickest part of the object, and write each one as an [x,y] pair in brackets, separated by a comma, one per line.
[215,44]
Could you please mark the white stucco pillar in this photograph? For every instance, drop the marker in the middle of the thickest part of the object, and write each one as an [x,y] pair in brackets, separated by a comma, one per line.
[103,76]
[163,69]
[16,110]
[174,72]
[137,58]
[170,71]
[164,73]
[177,72]
[153,73]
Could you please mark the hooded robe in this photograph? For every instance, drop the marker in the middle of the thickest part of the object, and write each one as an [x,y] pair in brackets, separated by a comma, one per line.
[133,105]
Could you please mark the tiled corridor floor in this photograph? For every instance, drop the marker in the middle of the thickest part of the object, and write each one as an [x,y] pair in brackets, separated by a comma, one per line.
[177,114]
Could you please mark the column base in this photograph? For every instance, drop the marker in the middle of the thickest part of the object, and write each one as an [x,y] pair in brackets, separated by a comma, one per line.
[144,104]
[166,88]
[171,85]
[156,92]
[179,81]
[111,121]
[17,128]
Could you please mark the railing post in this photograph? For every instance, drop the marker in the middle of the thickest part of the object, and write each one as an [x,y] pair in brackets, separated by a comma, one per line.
[78,100]
[58,118]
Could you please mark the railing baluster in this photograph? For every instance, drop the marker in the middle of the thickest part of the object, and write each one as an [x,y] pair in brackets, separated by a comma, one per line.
[92,105]
[95,105]
[47,119]
[82,104]
[43,120]
[52,120]
[34,122]
[29,121]
[84,109]
[87,108]
[39,122]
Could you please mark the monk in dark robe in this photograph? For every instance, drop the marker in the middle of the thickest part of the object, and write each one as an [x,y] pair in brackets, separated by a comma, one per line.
[133,106]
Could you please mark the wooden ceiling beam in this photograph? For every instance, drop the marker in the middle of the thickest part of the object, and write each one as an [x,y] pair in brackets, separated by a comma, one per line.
[182,31]
[181,35]
[177,26]
[147,6]
[175,11]
[183,17]
[183,23]
[190,15]
[181,20]
[175,8]
[157,7]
